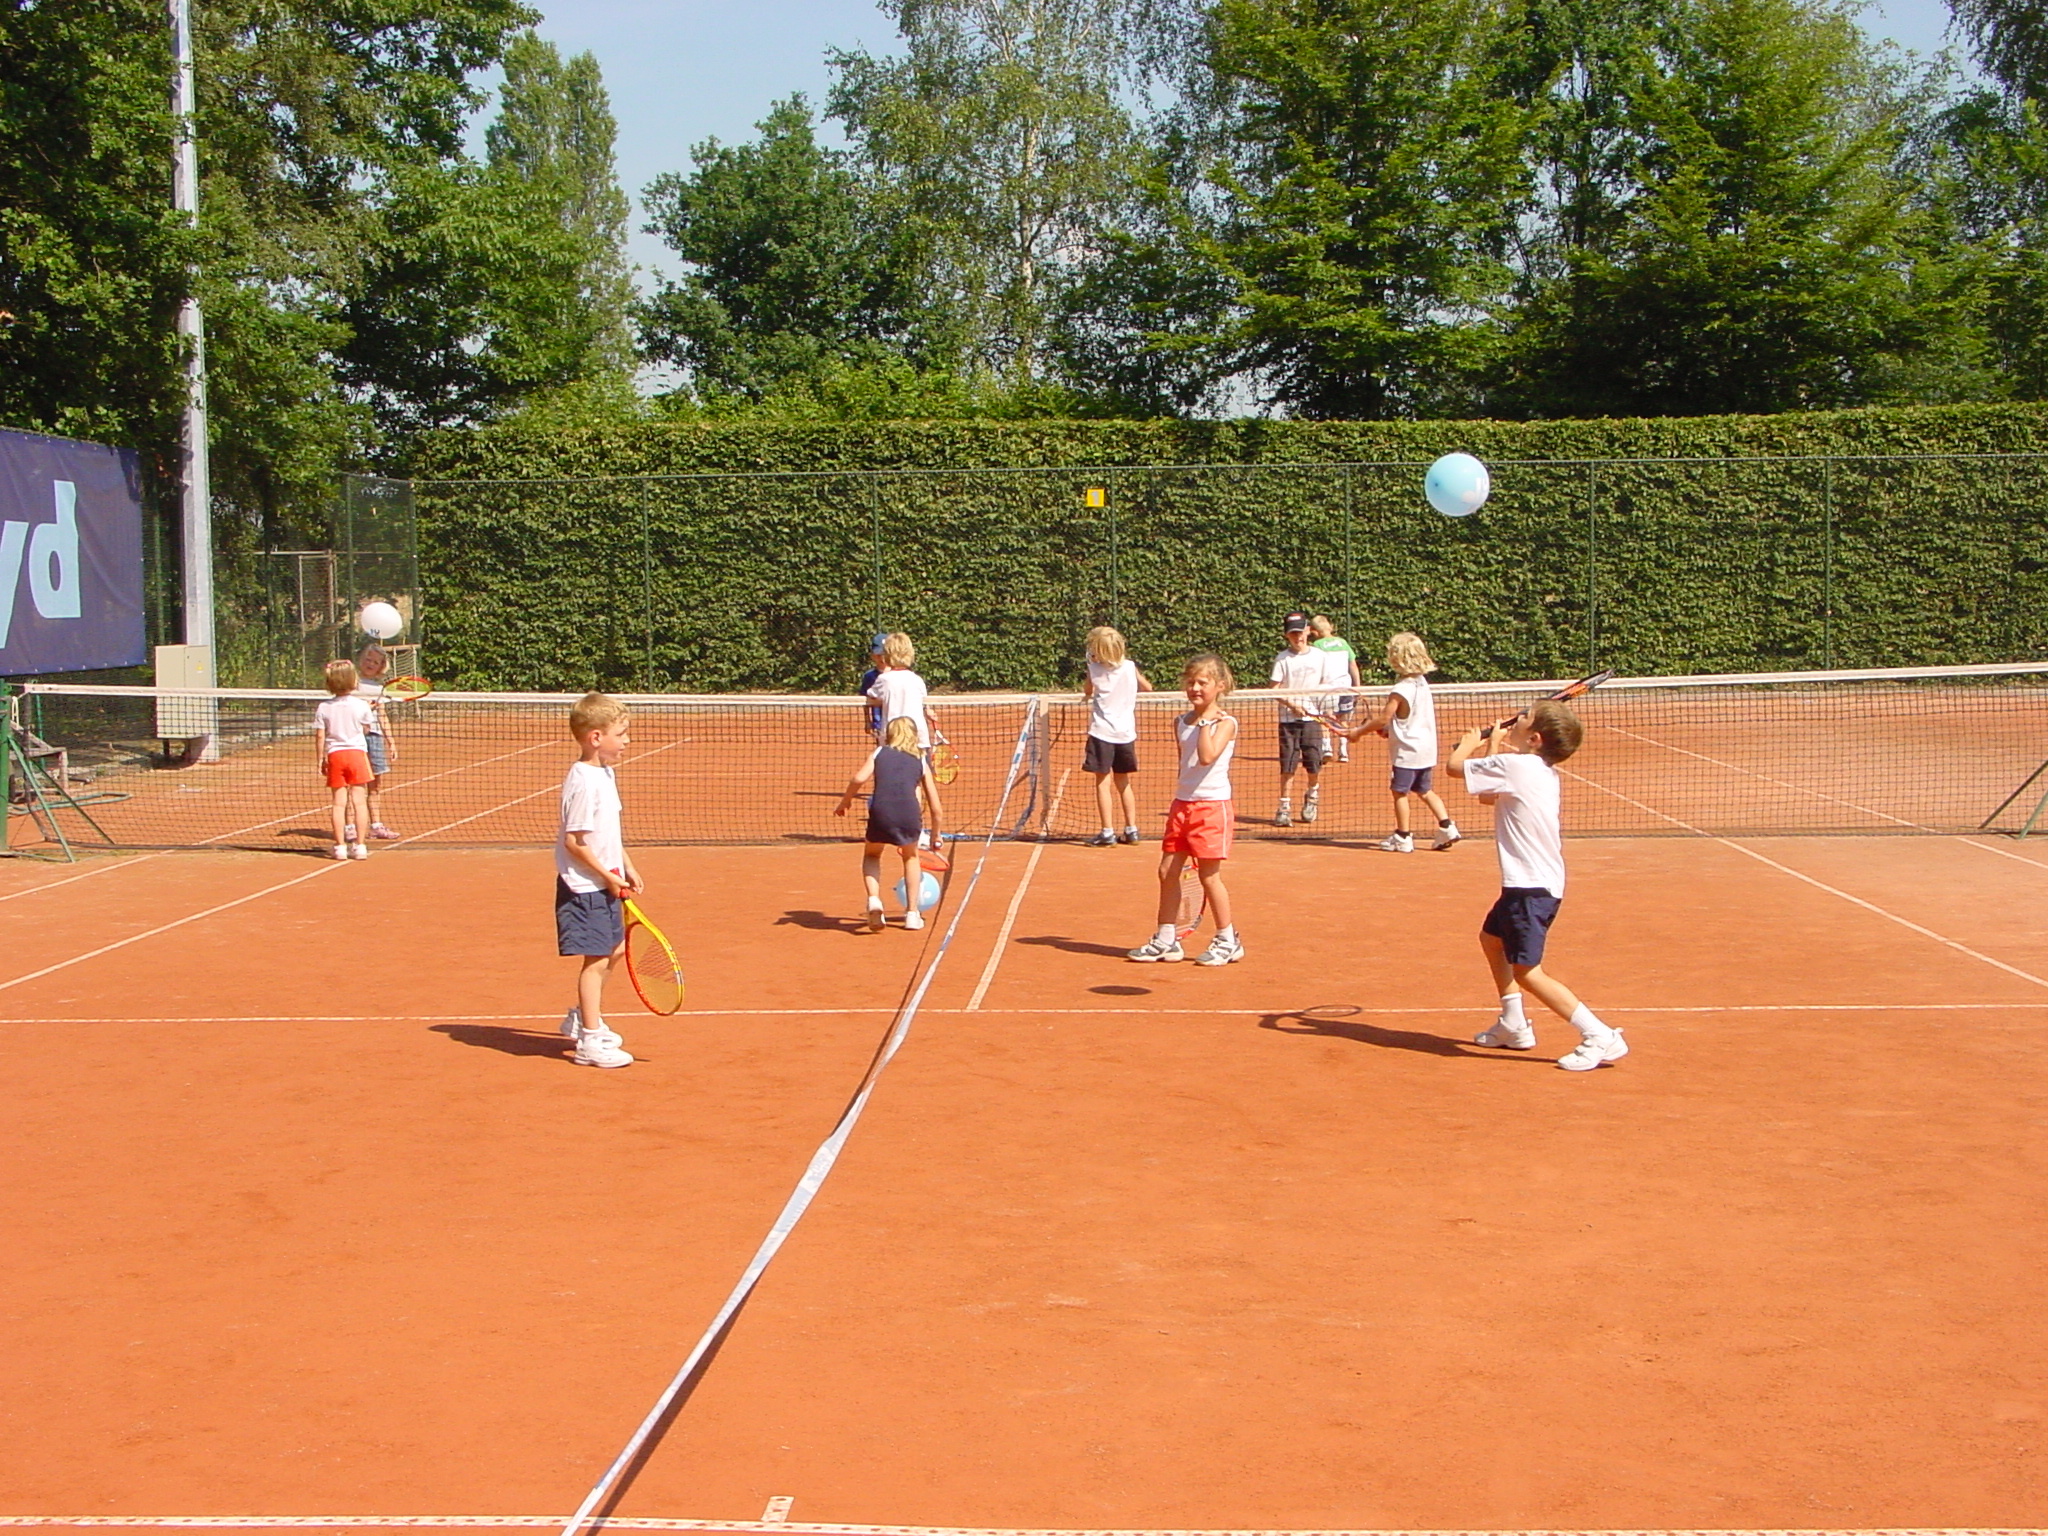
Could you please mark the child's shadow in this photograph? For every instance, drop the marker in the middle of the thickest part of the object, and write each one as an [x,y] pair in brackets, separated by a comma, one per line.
[1076,946]
[1333,1021]
[824,922]
[513,1042]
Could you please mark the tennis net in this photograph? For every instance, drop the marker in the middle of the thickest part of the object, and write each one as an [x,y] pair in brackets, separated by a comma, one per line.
[1944,750]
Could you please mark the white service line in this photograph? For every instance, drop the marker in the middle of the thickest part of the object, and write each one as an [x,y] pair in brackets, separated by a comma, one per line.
[1821,885]
[833,1528]
[2005,853]
[119,863]
[995,955]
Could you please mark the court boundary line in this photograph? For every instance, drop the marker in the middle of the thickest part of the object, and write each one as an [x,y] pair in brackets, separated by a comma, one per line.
[995,954]
[837,1528]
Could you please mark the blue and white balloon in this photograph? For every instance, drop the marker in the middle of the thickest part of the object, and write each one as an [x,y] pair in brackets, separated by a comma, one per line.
[1457,485]
[927,892]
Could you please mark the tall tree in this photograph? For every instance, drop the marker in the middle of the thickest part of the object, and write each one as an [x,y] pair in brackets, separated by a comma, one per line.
[2011,41]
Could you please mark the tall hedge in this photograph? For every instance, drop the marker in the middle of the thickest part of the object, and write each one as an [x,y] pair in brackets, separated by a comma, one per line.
[758,556]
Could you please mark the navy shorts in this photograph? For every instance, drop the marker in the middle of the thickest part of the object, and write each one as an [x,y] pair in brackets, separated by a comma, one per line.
[1413,781]
[587,922]
[1110,756]
[1521,920]
[1301,746]
[380,754]
[892,831]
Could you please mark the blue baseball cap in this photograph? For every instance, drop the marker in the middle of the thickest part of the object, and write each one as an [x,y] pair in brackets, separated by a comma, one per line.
[878,642]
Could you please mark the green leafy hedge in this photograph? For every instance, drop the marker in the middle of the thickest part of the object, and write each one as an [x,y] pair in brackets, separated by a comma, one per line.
[758,556]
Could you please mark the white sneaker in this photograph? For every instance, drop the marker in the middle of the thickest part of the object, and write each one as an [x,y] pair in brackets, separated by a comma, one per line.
[1152,950]
[1284,817]
[1310,808]
[913,919]
[1507,1037]
[1221,951]
[875,919]
[1447,836]
[1397,842]
[601,1048]
[359,850]
[1594,1051]
[341,852]
[572,1023]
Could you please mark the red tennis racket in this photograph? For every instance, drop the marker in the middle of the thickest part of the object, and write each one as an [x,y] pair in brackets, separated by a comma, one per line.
[1564,695]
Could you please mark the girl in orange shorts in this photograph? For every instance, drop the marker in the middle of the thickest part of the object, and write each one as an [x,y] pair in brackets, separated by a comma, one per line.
[1201,820]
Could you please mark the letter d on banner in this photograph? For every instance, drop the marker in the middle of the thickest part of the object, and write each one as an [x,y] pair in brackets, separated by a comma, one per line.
[53,559]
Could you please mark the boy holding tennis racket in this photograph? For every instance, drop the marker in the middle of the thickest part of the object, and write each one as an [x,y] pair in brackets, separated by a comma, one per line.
[1513,768]
[593,874]
[1301,732]
[1201,820]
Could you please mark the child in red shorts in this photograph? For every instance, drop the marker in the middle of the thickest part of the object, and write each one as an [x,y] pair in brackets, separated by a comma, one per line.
[343,726]
[1201,820]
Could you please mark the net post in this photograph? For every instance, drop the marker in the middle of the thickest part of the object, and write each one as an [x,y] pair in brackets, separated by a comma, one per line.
[7,707]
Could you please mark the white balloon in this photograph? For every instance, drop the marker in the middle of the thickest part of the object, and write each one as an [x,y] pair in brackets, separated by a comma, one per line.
[380,621]
[1457,485]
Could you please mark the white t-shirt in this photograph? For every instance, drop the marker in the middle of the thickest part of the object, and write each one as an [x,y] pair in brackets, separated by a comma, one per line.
[1526,828]
[590,803]
[901,694]
[366,689]
[344,722]
[1196,781]
[1301,669]
[1413,735]
[1113,706]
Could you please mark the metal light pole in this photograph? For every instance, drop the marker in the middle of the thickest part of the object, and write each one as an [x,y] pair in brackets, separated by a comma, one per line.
[197,488]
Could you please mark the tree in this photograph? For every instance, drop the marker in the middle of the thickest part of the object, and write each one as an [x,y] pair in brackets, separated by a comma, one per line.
[2011,38]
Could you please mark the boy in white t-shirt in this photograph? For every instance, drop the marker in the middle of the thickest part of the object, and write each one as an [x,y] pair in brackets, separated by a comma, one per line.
[343,726]
[1114,683]
[593,872]
[1407,718]
[1301,732]
[899,693]
[1514,770]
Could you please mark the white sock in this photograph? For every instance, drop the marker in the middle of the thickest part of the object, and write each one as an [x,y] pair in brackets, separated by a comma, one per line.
[1133,831]
[1511,1011]
[1588,1024]
[1166,935]
[1109,831]
[1228,935]
[1286,801]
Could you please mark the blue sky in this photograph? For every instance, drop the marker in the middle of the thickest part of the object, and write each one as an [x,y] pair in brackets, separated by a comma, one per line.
[680,71]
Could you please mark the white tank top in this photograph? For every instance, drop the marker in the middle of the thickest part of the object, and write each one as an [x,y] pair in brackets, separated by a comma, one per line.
[1197,782]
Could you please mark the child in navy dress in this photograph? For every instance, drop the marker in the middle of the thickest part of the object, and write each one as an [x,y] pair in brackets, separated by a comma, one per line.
[892,778]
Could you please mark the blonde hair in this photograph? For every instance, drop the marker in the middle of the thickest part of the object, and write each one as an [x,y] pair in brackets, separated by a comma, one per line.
[897,649]
[341,677]
[1105,646]
[901,733]
[1321,627]
[1407,655]
[1560,729]
[370,654]
[1215,666]
[594,712]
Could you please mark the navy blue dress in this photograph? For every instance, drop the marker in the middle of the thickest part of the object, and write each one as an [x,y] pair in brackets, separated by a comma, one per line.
[892,804]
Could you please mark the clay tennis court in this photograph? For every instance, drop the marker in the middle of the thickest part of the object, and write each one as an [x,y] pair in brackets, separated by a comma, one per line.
[312,1220]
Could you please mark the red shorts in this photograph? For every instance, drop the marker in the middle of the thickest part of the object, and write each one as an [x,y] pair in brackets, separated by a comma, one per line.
[346,766]
[1202,828]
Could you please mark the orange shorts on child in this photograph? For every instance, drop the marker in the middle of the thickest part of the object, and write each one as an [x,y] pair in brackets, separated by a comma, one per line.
[1202,828]
[346,767]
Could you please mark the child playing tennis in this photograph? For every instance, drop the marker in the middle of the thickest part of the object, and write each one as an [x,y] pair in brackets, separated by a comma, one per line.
[1340,670]
[1407,717]
[899,692]
[1301,734]
[593,873]
[1514,770]
[1114,683]
[893,775]
[371,666]
[1201,820]
[343,725]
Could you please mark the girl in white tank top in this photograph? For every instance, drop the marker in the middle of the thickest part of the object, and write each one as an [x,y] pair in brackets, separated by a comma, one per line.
[1200,823]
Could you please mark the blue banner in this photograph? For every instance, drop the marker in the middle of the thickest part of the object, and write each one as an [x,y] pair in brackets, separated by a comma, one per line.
[70,556]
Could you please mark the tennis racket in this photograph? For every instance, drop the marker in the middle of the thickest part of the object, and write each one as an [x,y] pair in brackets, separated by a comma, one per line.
[945,761]
[1194,900]
[1564,695]
[933,862]
[651,962]
[403,690]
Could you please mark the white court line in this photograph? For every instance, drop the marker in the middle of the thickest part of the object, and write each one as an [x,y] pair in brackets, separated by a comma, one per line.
[2005,853]
[1822,885]
[120,863]
[995,955]
[825,1528]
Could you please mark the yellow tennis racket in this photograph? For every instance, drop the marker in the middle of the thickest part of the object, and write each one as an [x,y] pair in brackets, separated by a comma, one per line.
[651,962]
[945,761]
[405,690]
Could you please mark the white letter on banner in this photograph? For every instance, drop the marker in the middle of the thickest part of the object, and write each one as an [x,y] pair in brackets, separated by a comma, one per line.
[13,540]
[53,559]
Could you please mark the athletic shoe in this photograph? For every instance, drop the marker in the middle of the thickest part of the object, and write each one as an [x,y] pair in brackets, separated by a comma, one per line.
[1594,1051]
[1152,950]
[1103,839]
[1447,836]
[341,852]
[1221,951]
[1507,1037]
[359,850]
[1309,807]
[382,833]
[876,921]
[601,1048]
[1397,842]
[1283,817]
[1128,835]
[572,1023]
[913,920]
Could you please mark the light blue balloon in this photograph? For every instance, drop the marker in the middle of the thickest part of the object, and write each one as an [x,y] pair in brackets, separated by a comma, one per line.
[1457,485]
[927,893]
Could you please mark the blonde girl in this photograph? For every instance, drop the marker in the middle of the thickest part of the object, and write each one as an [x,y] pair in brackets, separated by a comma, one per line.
[1201,820]
[897,772]
[1114,683]
[1408,718]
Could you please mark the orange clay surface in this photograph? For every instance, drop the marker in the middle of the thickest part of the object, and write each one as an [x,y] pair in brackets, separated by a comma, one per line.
[308,1214]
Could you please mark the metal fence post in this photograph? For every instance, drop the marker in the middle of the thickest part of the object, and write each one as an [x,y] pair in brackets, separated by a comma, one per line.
[647,583]
[1827,569]
[1592,569]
